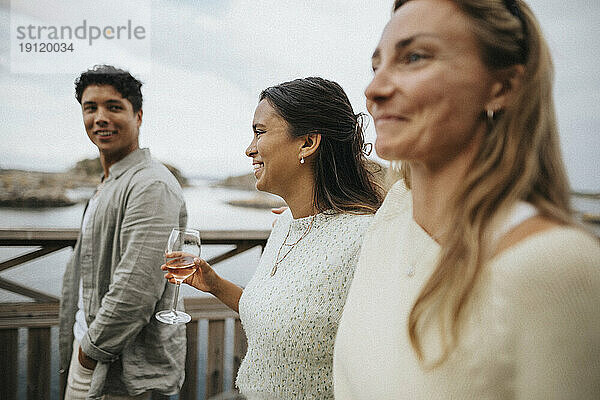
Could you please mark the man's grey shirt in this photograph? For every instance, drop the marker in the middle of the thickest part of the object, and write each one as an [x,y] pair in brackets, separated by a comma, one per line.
[118,257]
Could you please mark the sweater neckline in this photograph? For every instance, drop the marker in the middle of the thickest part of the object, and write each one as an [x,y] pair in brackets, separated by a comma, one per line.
[301,224]
[417,248]
[401,202]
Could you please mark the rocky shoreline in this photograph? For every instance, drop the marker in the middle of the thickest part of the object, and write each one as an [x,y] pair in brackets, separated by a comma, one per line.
[36,189]
[32,189]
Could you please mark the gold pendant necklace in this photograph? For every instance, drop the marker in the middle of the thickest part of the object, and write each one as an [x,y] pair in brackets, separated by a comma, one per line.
[292,245]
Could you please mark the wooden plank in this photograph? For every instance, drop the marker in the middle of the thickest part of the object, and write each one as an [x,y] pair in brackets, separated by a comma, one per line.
[188,391]
[19,315]
[233,237]
[27,309]
[29,256]
[36,236]
[9,363]
[44,236]
[38,363]
[24,291]
[240,345]
[238,249]
[209,308]
[16,315]
[214,362]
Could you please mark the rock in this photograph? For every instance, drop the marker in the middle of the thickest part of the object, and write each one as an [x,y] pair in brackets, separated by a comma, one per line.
[31,189]
[35,198]
[242,182]
[35,189]
[259,200]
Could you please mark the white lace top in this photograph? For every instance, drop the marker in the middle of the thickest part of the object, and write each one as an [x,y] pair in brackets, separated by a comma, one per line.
[291,318]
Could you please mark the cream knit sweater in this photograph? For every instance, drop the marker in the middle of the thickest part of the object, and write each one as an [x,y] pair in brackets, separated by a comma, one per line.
[533,328]
[290,318]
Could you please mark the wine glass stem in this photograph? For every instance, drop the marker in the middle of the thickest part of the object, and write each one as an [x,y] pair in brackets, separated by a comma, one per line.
[175,297]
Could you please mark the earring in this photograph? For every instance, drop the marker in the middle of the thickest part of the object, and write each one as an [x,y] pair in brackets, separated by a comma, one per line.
[490,114]
[302,160]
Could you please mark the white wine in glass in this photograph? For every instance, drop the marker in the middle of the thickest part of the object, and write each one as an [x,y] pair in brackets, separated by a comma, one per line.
[186,243]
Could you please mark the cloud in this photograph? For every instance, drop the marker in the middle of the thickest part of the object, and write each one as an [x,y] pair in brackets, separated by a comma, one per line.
[210,60]
[42,126]
[197,120]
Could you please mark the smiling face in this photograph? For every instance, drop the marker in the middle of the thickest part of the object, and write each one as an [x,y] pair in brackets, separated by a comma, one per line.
[110,122]
[430,87]
[274,152]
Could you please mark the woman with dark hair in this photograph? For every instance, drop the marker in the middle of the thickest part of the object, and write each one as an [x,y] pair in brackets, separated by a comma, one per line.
[474,280]
[308,149]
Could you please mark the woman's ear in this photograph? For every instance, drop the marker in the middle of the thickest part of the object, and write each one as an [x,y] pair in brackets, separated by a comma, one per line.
[506,87]
[310,144]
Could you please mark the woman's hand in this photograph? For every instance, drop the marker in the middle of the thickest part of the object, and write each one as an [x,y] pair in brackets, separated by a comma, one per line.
[204,278]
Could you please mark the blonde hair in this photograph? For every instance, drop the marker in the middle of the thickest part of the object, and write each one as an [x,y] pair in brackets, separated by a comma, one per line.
[519,159]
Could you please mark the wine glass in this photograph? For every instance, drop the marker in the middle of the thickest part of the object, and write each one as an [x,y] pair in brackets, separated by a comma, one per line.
[186,241]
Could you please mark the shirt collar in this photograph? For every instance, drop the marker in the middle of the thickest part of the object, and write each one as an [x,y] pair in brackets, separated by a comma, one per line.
[136,157]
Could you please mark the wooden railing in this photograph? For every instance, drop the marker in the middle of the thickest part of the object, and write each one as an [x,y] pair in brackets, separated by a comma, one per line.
[38,318]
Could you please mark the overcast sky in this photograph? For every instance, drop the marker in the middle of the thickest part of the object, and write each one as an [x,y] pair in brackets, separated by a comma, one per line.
[207,61]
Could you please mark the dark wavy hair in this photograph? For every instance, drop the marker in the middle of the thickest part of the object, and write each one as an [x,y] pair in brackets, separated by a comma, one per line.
[345,179]
[122,81]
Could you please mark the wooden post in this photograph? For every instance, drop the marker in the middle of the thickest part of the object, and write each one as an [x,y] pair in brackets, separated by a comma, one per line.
[8,363]
[62,384]
[188,391]
[38,363]
[214,362]
[240,345]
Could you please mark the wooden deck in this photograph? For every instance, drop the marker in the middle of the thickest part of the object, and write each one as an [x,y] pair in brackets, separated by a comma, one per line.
[39,317]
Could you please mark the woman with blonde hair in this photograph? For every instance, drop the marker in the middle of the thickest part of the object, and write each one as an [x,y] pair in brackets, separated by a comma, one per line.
[474,281]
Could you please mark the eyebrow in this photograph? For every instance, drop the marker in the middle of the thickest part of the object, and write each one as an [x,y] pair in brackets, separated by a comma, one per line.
[401,44]
[110,101]
[254,126]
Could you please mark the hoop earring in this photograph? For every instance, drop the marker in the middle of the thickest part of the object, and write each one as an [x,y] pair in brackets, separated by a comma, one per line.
[490,114]
[302,160]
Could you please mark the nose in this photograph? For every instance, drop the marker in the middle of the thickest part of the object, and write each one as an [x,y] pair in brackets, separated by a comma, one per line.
[251,149]
[100,117]
[381,86]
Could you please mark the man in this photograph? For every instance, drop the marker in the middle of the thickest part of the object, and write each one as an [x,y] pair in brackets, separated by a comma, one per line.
[110,342]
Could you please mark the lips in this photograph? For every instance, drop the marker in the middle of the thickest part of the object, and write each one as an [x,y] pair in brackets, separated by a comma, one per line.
[105,133]
[258,167]
[388,118]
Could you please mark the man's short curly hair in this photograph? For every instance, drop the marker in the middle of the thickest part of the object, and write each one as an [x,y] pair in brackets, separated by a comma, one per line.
[122,81]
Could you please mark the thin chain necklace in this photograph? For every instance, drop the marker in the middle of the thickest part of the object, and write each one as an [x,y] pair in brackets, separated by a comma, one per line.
[292,245]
